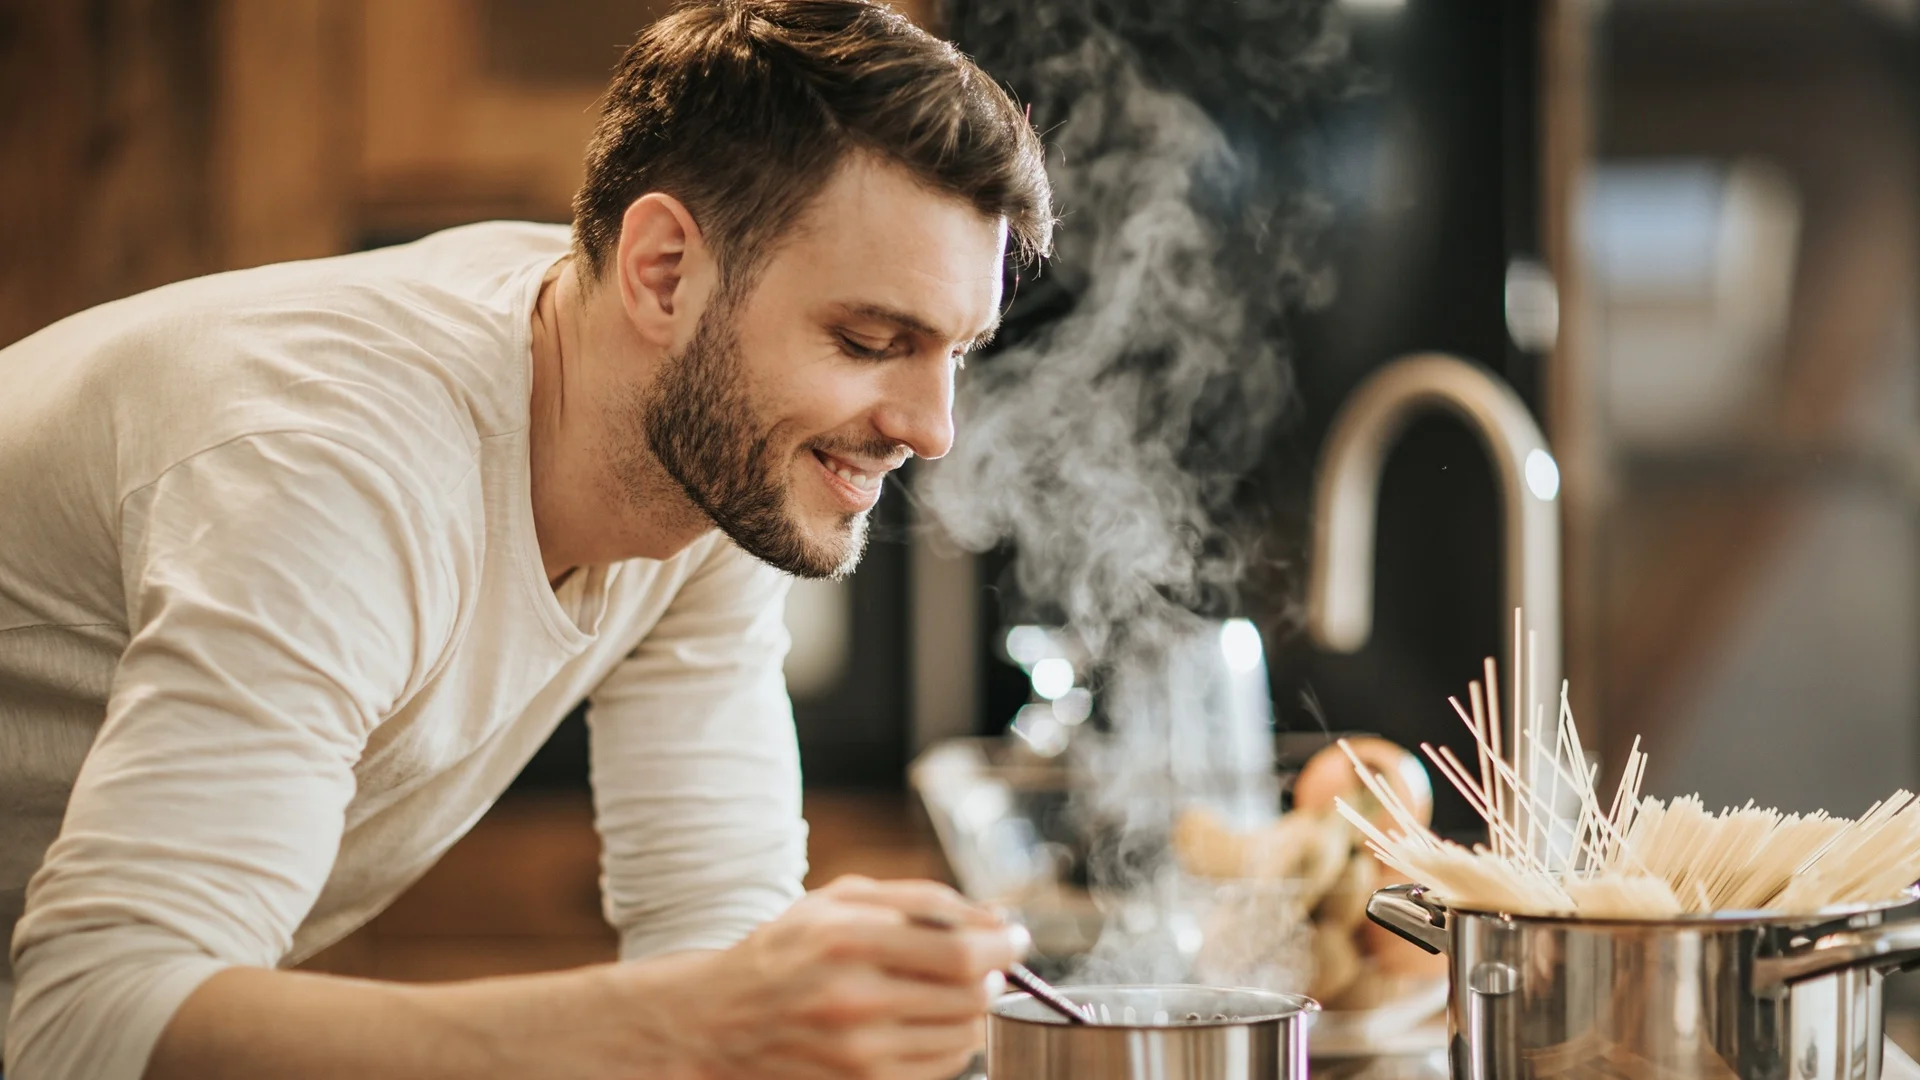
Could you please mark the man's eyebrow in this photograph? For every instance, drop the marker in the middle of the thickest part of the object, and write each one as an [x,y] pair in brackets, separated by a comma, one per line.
[907,320]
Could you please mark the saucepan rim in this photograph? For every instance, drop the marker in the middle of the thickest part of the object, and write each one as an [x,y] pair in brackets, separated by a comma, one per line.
[1761,917]
[1298,1006]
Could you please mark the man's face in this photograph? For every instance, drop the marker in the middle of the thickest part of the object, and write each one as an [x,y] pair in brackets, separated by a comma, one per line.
[791,404]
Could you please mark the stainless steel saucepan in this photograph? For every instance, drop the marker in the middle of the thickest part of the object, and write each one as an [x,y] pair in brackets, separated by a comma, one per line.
[1152,1033]
[1729,996]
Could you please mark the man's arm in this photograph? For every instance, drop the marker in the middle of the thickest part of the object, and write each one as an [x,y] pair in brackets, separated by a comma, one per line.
[282,592]
[245,1023]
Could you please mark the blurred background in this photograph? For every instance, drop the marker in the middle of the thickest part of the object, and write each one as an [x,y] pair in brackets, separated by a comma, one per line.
[1683,232]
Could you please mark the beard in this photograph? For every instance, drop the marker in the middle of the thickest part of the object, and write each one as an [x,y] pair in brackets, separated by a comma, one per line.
[700,424]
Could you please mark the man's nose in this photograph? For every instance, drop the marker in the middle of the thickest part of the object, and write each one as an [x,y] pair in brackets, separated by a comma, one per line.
[918,409]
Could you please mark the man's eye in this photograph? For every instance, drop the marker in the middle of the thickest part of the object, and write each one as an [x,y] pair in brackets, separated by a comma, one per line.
[859,351]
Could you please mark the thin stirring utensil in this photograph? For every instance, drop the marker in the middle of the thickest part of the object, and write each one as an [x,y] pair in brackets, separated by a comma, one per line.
[1044,993]
[1020,975]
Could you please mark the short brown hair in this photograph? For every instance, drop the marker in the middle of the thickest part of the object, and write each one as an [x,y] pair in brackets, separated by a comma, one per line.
[743,109]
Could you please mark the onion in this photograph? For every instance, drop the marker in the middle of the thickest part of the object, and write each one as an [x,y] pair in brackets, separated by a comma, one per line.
[1329,775]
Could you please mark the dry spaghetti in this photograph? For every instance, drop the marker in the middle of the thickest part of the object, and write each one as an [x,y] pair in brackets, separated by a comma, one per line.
[1552,849]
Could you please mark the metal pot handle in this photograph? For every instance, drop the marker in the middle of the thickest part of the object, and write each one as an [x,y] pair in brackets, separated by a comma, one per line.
[1405,910]
[1887,946]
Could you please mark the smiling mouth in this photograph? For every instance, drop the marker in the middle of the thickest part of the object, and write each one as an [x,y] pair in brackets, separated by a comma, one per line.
[862,481]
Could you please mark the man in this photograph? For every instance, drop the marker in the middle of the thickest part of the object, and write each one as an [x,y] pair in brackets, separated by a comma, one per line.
[299,565]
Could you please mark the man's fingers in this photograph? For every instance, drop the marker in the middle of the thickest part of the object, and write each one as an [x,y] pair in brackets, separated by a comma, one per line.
[921,1042]
[876,996]
[963,957]
[953,1063]
[924,901]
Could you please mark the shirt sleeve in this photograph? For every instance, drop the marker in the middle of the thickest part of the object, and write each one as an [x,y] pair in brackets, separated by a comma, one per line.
[696,769]
[281,598]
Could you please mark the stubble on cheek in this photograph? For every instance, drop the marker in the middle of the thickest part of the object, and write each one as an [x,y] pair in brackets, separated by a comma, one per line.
[701,432]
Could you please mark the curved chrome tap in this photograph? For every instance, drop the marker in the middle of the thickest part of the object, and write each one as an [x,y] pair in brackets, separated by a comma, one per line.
[1340,576]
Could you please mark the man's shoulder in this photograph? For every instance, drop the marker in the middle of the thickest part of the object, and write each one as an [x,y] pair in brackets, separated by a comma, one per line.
[457,301]
[469,271]
[415,353]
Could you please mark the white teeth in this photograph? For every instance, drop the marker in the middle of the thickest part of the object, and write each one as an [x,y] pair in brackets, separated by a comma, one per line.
[863,481]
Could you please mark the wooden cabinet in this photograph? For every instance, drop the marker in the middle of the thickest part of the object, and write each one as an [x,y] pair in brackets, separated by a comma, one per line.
[146,141]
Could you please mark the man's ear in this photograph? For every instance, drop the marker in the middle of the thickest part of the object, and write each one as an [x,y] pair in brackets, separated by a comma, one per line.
[664,269]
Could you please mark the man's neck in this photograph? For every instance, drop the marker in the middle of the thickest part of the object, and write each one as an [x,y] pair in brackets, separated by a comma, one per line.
[582,514]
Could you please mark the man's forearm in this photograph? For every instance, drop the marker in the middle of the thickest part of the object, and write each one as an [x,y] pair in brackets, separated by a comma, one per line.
[245,1023]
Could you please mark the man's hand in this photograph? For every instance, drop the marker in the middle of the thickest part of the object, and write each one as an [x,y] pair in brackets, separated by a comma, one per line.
[851,982]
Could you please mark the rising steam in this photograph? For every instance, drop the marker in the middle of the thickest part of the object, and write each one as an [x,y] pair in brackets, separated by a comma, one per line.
[1107,445]
[1147,364]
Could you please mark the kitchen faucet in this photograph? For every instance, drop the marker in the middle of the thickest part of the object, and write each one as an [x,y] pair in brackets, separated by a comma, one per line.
[1340,573]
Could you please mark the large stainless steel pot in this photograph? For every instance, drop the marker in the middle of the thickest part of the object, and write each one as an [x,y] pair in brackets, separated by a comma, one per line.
[1140,1036]
[1734,995]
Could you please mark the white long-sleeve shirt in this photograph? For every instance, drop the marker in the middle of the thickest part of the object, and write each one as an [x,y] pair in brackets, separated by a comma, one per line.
[275,631]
